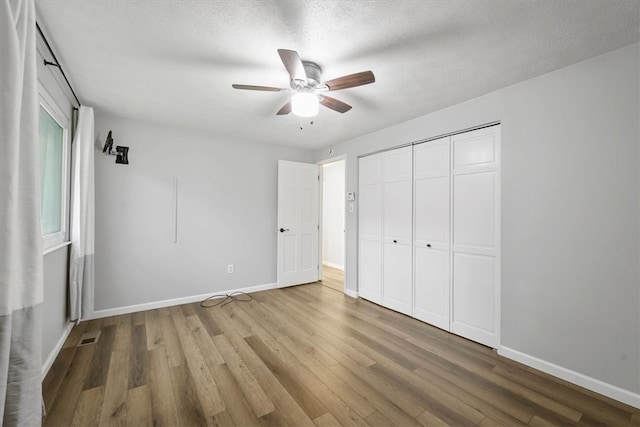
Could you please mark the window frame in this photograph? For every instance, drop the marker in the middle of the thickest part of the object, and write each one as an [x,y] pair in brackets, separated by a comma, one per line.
[52,241]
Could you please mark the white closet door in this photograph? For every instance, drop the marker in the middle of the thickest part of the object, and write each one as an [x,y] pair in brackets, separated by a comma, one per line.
[431,232]
[370,228]
[397,229]
[476,219]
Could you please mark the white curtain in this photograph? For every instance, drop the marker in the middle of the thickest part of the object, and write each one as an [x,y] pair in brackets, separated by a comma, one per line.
[20,236]
[82,218]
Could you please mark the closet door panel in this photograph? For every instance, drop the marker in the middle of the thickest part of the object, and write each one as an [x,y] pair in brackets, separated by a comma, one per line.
[474,215]
[370,228]
[370,212]
[370,169]
[397,277]
[431,233]
[476,235]
[397,164]
[370,271]
[476,150]
[475,294]
[432,210]
[431,159]
[397,202]
[431,295]
[397,226]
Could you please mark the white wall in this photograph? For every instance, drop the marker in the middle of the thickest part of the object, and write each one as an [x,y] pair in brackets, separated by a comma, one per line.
[227,197]
[570,214]
[333,197]
[55,319]
[571,220]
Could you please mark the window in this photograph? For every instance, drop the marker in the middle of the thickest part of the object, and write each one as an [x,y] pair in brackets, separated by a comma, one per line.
[54,173]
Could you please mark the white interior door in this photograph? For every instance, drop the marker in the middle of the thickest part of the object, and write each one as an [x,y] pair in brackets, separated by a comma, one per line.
[298,225]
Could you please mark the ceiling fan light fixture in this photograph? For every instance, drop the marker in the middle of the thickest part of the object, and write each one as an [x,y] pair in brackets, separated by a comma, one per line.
[304,104]
[308,88]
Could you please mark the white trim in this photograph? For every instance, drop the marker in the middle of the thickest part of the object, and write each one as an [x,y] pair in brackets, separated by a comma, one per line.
[56,350]
[52,106]
[55,248]
[333,160]
[52,241]
[598,386]
[350,293]
[171,302]
[320,220]
[333,265]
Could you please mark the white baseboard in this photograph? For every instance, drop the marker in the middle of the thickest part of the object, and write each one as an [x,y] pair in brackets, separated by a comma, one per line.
[332,265]
[54,352]
[352,294]
[176,301]
[576,378]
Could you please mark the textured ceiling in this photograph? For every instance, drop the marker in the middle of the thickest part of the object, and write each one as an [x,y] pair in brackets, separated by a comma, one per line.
[174,61]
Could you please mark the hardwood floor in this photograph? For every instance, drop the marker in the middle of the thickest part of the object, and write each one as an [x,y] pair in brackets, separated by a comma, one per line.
[305,355]
[333,278]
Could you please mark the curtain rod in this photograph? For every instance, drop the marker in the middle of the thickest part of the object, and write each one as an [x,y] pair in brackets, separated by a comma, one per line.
[56,63]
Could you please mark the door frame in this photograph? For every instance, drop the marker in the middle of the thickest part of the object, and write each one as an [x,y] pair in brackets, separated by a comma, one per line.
[321,218]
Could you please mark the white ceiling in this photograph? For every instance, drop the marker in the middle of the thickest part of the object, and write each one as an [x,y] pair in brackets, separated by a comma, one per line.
[174,61]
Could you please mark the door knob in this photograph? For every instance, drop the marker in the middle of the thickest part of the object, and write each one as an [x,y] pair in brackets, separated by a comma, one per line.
[282,230]
[395,241]
[428,245]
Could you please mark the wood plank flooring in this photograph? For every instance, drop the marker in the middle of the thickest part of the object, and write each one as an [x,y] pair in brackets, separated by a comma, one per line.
[302,356]
[333,278]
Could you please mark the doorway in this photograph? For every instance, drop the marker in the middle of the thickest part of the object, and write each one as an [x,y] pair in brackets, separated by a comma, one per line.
[333,224]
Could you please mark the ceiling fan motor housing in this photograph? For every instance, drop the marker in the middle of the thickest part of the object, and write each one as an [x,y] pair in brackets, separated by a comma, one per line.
[313,72]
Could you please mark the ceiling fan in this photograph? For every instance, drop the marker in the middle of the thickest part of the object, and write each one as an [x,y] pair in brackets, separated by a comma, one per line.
[309,90]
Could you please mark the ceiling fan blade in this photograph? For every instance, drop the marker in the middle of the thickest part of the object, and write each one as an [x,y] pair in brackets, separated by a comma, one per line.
[334,104]
[286,109]
[262,88]
[293,64]
[352,80]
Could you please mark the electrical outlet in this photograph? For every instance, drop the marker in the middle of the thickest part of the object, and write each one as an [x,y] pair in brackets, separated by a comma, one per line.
[230,269]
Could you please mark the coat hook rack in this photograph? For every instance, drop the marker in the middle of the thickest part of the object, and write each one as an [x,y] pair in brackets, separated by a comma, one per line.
[121,153]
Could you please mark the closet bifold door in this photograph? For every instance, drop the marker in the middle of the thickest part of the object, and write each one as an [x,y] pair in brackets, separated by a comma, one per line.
[397,221]
[431,182]
[476,220]
[370,228]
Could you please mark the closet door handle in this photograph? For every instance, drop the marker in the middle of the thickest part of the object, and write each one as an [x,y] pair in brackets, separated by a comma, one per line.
[395,241]
[282,230]
[428,245]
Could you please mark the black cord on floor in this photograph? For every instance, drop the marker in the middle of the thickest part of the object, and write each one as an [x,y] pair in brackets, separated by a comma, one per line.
[227,298]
